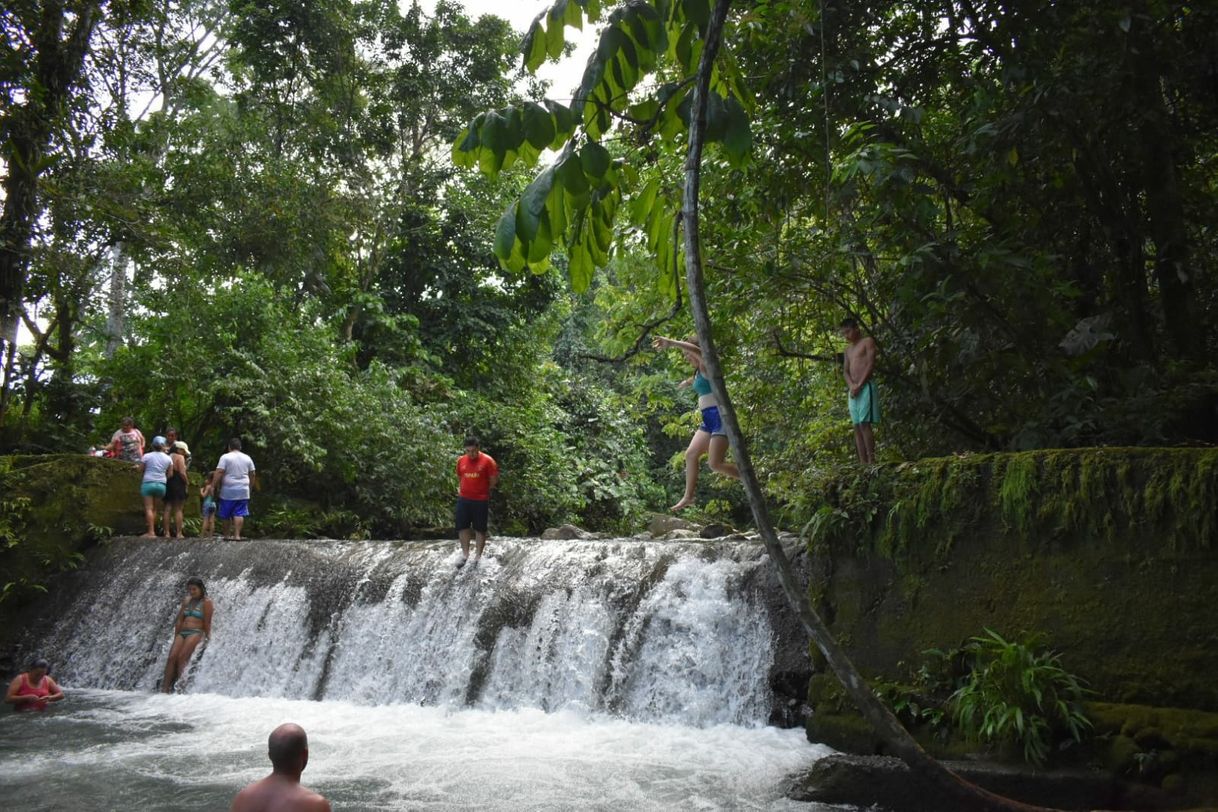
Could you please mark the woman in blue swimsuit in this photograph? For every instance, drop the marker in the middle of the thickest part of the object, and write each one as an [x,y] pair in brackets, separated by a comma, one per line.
[193,625]
[711,437]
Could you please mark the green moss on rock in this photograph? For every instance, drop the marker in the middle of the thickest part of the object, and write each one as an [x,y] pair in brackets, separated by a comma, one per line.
[1107,552]
[56,506]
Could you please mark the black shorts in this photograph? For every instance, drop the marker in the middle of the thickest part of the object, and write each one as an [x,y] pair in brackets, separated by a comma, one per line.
[175,490]
[472,513]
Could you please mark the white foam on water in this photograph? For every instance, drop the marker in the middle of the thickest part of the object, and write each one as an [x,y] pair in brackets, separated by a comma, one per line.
[104,750]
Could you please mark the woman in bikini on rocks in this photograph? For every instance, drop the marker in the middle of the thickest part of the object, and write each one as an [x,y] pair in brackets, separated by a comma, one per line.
[193,625]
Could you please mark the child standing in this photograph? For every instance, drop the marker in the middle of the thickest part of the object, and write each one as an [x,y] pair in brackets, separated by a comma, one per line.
[209,507]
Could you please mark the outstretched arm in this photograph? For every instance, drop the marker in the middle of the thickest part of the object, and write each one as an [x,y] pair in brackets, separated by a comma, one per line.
[662,343]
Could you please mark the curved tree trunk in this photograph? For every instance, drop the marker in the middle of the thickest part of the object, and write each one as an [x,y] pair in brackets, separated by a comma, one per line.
[894,735]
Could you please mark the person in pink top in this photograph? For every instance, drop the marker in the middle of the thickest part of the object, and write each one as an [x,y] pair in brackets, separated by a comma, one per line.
[34,689]
[477,474]
[127,443]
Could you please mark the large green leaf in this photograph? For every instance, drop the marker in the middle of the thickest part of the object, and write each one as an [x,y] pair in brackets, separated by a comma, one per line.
[505,233]
[595,160]
[532,204]
[539,125]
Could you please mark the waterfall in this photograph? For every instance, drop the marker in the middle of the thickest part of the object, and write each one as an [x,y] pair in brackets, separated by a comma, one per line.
[680,632]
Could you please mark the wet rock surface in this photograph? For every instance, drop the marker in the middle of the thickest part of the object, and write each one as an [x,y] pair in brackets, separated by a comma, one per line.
[889,784]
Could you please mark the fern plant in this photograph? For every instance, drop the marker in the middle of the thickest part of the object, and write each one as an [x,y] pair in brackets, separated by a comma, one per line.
[1017,695]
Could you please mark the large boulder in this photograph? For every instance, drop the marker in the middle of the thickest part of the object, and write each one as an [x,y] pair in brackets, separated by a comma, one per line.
[662,524]
[565,532]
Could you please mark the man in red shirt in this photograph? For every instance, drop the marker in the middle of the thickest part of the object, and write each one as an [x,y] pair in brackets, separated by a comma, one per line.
[477,473]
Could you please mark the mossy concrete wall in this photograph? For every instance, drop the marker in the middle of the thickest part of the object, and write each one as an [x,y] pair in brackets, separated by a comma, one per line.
[1110,554]
[52,508]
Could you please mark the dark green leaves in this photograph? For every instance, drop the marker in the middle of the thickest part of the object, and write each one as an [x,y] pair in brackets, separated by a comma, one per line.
[495,140]
[574,199]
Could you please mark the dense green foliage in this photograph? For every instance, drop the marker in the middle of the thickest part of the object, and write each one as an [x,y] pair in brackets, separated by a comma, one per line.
[245,218]
[276,247]
[1017,694]
[1013,694]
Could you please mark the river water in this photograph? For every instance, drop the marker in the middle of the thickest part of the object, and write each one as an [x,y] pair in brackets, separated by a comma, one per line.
[555,676]
[115,750]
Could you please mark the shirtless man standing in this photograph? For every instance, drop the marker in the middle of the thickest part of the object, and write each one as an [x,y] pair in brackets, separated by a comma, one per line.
[281,791]
[864,401]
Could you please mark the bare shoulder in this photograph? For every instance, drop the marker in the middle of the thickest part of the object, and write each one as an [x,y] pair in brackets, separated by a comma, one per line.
[868,342]
[245,799]
[313,802]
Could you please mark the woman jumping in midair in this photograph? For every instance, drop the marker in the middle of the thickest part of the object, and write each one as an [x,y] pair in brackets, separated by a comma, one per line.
[710,436]
[193,625]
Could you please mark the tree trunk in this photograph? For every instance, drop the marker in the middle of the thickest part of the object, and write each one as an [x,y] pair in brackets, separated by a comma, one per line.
[1165,208]
[886,725]
[116,317]
[57,67]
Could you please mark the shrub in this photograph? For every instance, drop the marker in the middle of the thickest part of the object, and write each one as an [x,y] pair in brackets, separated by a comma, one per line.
[1016,695]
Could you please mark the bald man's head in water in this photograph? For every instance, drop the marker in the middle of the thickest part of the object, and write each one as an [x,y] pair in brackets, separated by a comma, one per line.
[288,747]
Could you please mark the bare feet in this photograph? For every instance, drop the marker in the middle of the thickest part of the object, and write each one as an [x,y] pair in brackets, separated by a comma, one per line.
[148,536]
[679,506]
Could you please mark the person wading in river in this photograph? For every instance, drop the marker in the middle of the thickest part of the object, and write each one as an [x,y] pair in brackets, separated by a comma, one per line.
[288,748]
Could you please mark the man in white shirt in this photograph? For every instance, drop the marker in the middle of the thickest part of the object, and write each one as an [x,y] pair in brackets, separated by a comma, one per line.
[232,482]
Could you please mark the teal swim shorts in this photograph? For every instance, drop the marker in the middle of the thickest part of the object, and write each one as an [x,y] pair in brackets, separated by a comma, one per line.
[154,489]
[865,407]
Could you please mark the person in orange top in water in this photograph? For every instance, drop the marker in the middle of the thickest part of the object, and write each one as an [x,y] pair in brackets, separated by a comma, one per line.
[33,690]
[281,791]
[478,474]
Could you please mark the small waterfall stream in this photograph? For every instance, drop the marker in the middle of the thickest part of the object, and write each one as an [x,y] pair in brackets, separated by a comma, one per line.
[642,630]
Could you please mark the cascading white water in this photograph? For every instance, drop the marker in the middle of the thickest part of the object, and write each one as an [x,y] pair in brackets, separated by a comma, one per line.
[647,631]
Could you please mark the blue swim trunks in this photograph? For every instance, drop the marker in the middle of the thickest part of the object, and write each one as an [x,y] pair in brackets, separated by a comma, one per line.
[209,506]
[231,508]
[712,424]
[865,407]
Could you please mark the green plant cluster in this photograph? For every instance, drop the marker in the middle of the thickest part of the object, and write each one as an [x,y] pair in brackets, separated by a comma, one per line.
[1018,695]
[1080,496]
[1013,694]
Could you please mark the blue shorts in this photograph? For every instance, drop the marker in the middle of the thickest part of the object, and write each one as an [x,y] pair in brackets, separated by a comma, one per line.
[473,513]
[155,489]
[712,424]
[209,507]
[231,508]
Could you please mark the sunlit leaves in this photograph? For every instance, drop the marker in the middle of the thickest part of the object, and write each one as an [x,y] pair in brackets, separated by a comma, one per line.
[547,36]
[573,203]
